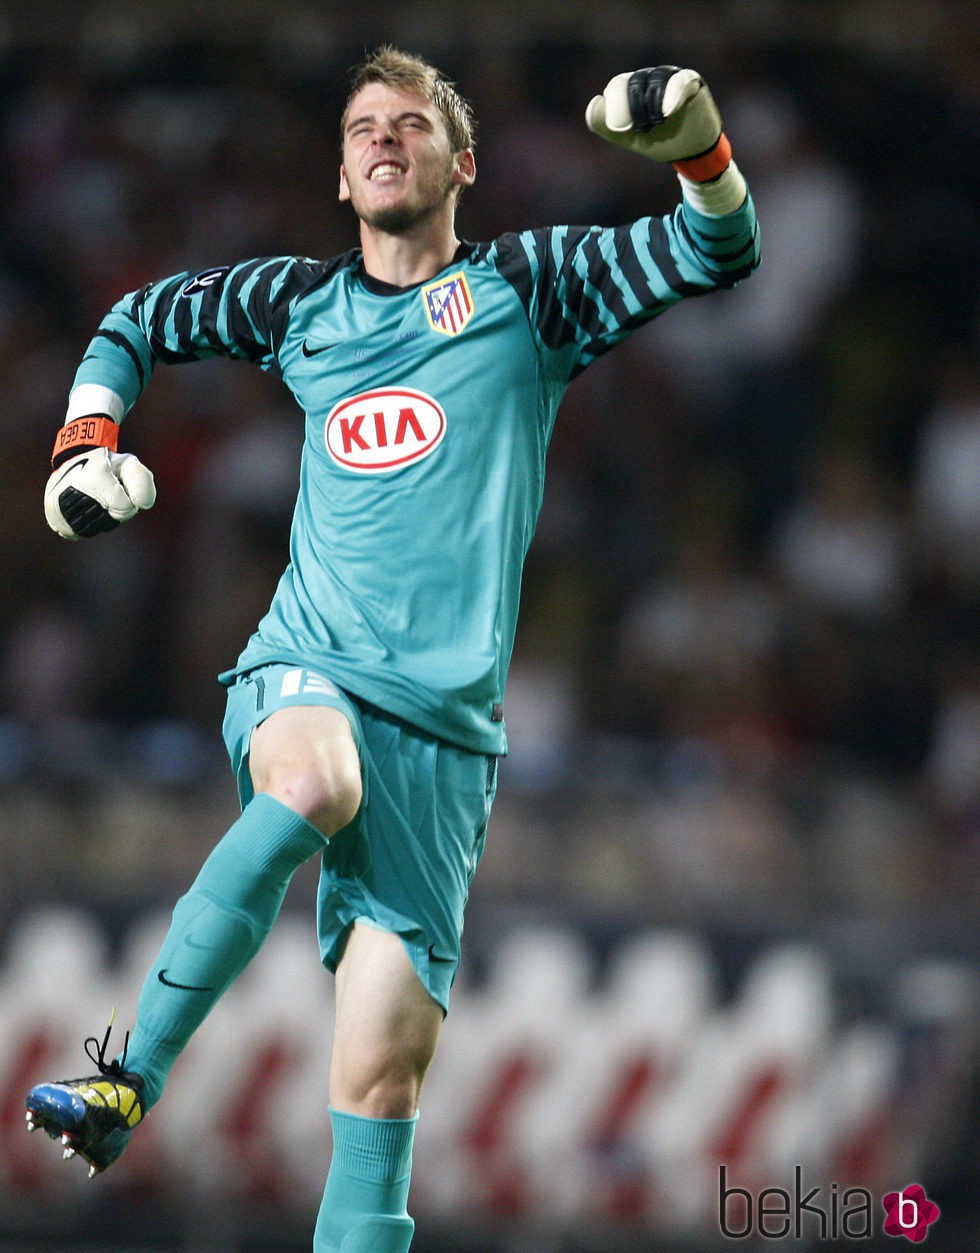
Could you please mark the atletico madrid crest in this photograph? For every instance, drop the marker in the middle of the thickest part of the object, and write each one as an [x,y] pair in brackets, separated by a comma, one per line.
[448,304]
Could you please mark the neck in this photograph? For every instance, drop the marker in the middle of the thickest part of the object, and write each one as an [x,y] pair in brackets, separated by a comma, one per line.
[406,259]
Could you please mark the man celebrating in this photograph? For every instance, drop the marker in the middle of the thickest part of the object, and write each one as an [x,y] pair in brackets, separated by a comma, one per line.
[365,715]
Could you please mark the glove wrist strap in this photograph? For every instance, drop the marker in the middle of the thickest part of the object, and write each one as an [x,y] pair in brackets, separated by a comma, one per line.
[709,164]
[84,434]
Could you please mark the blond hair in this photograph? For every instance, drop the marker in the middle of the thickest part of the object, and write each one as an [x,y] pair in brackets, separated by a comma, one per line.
[405,72]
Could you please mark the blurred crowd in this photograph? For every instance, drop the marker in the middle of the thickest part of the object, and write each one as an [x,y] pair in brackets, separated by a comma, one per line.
[750,634]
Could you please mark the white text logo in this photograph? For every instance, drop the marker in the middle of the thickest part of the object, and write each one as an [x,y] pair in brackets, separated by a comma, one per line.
[383,430]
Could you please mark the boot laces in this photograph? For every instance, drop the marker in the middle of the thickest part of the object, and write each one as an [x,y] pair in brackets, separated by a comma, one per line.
[97,1050]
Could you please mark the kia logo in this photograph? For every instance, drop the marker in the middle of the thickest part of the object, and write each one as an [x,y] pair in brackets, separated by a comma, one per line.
[382,430]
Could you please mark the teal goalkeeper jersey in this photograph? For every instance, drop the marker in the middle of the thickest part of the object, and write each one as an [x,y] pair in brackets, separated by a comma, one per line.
[428,412]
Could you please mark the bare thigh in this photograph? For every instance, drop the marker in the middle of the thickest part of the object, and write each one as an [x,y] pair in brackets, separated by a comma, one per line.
[386,1028]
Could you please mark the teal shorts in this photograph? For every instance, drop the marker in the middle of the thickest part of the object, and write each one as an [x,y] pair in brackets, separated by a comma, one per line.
[406,862]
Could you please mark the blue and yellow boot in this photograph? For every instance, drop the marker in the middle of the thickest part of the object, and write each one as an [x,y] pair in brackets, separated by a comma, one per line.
[93,1117]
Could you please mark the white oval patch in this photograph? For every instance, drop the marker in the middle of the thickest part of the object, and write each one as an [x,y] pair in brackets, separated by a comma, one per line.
[382,430]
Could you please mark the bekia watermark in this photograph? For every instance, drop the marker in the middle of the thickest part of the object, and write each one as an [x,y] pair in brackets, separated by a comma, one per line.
[827,1211]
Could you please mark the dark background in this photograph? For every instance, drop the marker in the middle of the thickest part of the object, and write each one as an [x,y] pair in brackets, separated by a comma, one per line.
[746,696]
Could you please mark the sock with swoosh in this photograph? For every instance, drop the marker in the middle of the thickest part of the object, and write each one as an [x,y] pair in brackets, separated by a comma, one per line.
[217,927]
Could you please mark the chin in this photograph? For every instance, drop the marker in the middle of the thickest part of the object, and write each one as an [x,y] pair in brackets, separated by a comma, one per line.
[394,220]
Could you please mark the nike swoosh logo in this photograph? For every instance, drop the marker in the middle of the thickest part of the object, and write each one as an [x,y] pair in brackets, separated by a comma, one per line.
[183,987]
[75,465]
[315,352]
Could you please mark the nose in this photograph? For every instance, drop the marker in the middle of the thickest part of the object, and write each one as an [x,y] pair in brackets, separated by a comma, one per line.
[384,133]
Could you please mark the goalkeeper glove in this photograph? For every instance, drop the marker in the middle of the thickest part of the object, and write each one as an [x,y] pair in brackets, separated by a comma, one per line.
[92,487]
[665,113]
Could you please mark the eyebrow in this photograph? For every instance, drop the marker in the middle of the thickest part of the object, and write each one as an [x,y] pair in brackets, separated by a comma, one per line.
[370,117]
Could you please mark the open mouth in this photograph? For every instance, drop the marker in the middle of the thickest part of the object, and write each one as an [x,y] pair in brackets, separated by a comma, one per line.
[385,172]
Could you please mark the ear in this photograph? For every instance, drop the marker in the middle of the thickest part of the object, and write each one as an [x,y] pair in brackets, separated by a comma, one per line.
[344,192]
[464,168]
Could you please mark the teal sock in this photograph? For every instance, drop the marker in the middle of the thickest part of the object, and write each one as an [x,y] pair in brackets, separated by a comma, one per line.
[217,927]
[365,1201]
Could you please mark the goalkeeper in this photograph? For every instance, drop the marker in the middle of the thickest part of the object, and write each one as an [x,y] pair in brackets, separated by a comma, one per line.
[365,715]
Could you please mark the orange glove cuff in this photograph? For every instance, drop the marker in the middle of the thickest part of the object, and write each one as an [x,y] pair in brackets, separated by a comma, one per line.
[95,431]
[709,165]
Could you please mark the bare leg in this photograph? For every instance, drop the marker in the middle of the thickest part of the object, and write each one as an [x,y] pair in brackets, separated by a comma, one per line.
[385,1034]
[386,1029]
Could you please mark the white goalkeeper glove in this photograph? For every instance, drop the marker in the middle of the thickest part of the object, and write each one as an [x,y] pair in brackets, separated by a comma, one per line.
[92,487]
[667,114]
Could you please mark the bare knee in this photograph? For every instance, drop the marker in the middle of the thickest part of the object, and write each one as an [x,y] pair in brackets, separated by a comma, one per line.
[380,1095]
[327,801]
[306,758]
[380,1078]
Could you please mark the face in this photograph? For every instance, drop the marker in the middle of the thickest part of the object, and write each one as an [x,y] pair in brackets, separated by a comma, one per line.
[398,168]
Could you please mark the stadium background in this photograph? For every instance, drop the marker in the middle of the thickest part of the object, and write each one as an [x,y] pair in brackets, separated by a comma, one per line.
[736,838]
